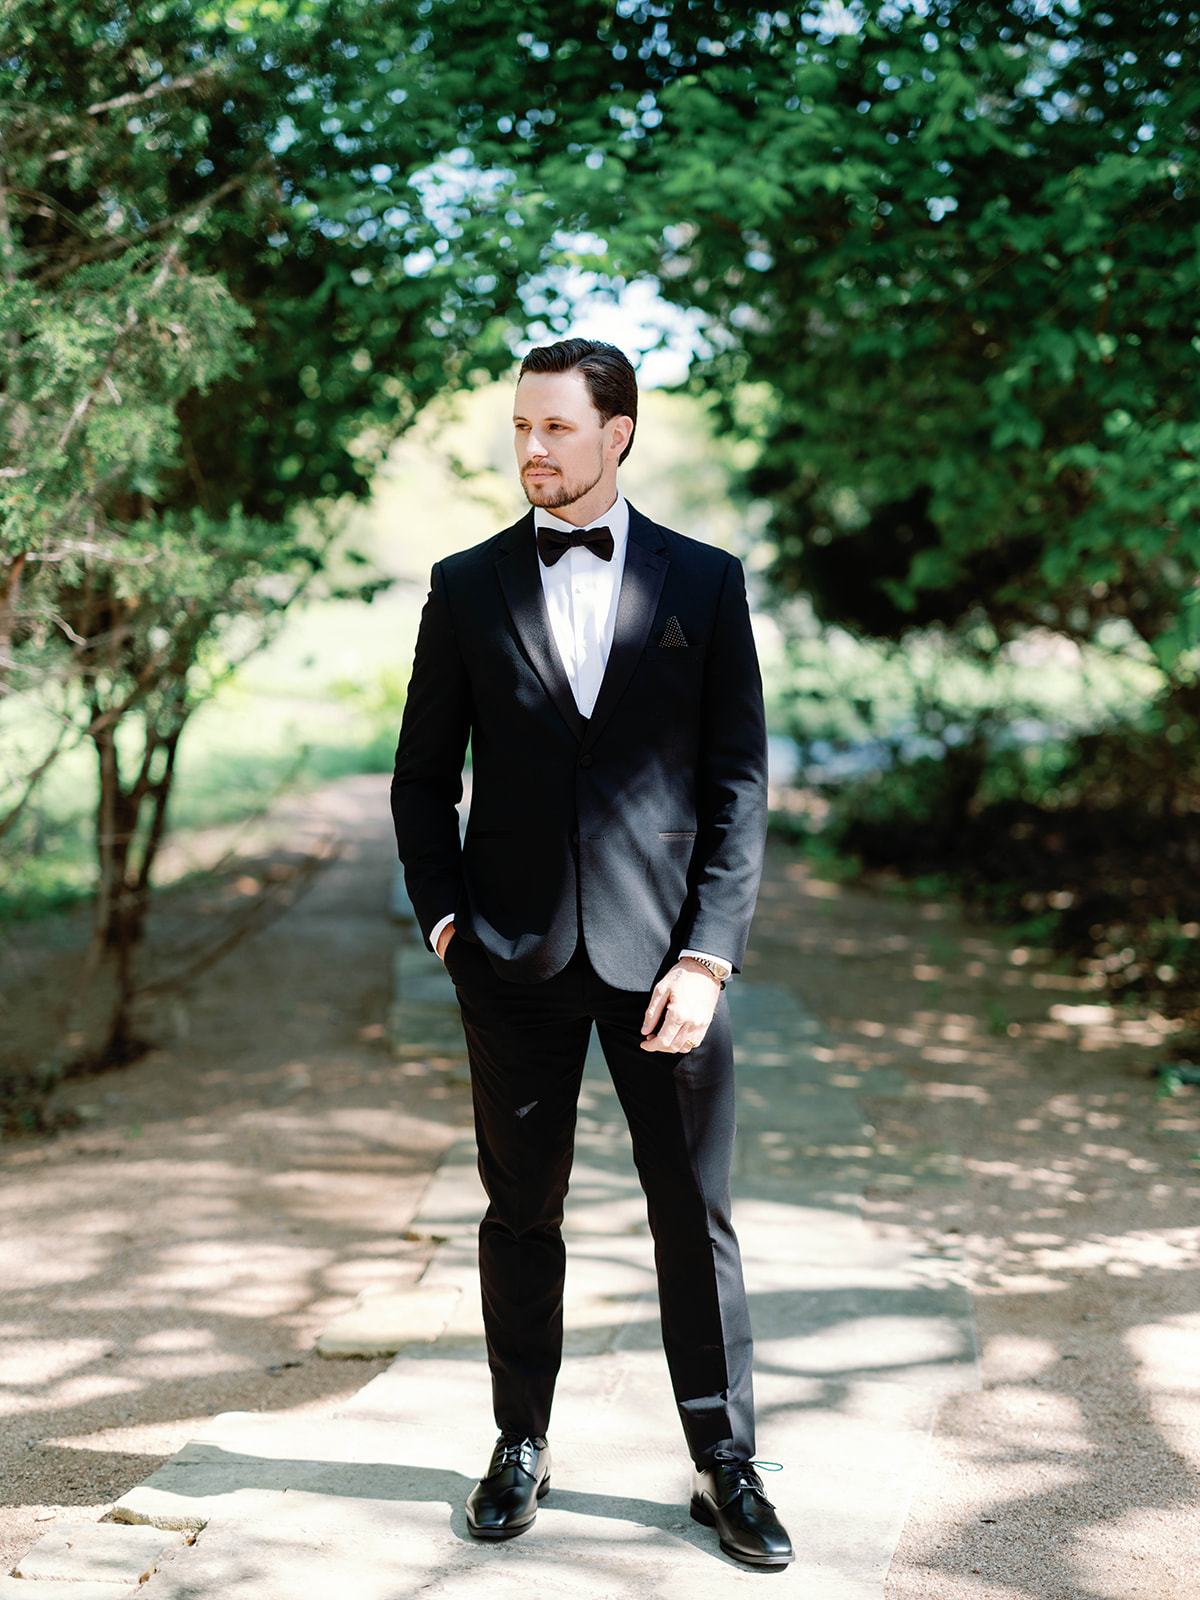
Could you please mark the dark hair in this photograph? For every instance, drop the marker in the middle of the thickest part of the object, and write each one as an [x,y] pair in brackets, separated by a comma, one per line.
[610,378]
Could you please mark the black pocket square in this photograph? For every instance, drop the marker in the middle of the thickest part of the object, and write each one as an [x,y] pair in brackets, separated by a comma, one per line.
[673,638]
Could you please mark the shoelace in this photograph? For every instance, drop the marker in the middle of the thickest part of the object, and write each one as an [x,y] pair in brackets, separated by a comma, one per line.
[509,1447]
[743,1474]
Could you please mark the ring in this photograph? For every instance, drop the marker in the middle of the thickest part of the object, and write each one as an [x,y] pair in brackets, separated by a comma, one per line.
[689,1044]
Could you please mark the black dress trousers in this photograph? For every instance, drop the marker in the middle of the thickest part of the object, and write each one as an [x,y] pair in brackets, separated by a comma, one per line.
[527,1043]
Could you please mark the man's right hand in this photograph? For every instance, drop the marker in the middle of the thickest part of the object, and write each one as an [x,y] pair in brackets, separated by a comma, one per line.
[444,939]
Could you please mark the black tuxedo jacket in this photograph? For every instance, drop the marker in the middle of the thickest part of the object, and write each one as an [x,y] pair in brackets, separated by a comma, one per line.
[642,826]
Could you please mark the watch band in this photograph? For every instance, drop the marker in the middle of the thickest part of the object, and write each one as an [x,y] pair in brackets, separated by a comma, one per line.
[719,972]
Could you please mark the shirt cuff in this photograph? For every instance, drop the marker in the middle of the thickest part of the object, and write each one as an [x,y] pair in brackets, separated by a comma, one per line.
[437,932]
[705,955]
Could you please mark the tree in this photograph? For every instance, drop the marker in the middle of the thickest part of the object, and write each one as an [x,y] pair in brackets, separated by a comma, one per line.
[957,247]
[950,243]
[955,242]
[947,256]
[220,302]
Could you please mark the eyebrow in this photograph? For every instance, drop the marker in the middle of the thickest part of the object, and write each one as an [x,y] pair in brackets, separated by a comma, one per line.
[518,418]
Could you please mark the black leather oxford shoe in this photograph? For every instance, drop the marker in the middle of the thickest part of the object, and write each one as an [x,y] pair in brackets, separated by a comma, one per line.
[504,1503]
[729,1496]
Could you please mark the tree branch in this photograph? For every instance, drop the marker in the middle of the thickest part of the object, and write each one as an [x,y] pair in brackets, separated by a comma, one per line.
[34,778]
[53,207]
[115,244]
[163,86]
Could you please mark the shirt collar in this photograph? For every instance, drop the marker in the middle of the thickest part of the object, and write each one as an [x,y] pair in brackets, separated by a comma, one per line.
[615,519]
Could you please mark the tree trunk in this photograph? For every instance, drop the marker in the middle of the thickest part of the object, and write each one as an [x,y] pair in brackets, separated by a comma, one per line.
[10,594]
[126,816]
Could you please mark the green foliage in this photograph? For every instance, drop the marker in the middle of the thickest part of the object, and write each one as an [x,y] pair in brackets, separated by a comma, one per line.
[947,254]
[959,248]
[948,257]
[238,252]
[957,243]
[1085,844]
[294,150]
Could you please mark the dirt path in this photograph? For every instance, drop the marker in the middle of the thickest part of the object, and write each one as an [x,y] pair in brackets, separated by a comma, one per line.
[173,1255]
[1074,1473]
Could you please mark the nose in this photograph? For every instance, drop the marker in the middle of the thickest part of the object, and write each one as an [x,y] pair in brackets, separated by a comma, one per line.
[534,446]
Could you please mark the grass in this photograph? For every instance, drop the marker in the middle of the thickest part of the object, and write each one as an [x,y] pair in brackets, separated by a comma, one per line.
[323,702]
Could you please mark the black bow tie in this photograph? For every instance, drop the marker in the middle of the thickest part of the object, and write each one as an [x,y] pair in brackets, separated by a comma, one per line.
[553,544]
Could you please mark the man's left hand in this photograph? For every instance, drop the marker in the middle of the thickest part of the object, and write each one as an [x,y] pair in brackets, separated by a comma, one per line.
[685,1000]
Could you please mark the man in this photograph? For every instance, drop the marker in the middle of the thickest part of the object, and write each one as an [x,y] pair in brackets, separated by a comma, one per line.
[604,671]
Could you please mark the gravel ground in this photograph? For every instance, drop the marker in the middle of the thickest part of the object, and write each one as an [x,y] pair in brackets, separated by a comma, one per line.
[174,1252]
[1072,1475]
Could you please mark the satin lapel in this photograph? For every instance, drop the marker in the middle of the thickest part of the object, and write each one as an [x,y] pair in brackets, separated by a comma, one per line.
[518,575]
[641,584]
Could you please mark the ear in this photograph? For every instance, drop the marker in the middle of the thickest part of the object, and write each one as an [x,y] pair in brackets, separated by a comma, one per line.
[620,433]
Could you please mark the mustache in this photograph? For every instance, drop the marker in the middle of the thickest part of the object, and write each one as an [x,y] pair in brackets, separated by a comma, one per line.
[540,466]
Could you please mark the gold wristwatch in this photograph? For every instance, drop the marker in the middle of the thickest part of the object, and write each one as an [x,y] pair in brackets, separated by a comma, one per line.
[719,971]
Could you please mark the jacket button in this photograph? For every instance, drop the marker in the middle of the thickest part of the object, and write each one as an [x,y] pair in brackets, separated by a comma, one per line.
[574,838]
[585,761]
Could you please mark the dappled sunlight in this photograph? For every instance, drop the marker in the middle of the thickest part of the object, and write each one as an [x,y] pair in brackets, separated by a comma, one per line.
[175,1251]
[1074,1473]
[74,1395]
[1128,1256]
[1015,1356]
[185,1262]
[1087,1473]
[1139,1553]
[1034,1425]
[862,1343]
[1169,1354]
[66,1355]
[1168,1369]
[261,1280]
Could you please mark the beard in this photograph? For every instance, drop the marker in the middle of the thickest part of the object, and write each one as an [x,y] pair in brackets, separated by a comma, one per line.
[559,492]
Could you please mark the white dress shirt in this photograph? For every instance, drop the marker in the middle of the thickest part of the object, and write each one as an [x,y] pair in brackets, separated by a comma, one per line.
[581,594]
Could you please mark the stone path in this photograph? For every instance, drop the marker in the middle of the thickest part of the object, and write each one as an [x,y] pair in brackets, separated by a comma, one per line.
[859,1338]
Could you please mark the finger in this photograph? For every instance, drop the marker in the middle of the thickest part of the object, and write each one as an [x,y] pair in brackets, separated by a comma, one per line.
[667,1028]
[690,1034]
[676,1029]
[687,1040]
[658,999]
[681,1043]
[668,1044]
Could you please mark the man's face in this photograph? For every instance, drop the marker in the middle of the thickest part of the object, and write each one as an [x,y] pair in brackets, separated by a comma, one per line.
[563,448]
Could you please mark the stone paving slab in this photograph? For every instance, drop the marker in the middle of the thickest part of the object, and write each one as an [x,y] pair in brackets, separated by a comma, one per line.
[79,1551]
[615,1522]
[382,1321]
[423,1019]
[303,1556]
[859,1339]
[53,1589]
